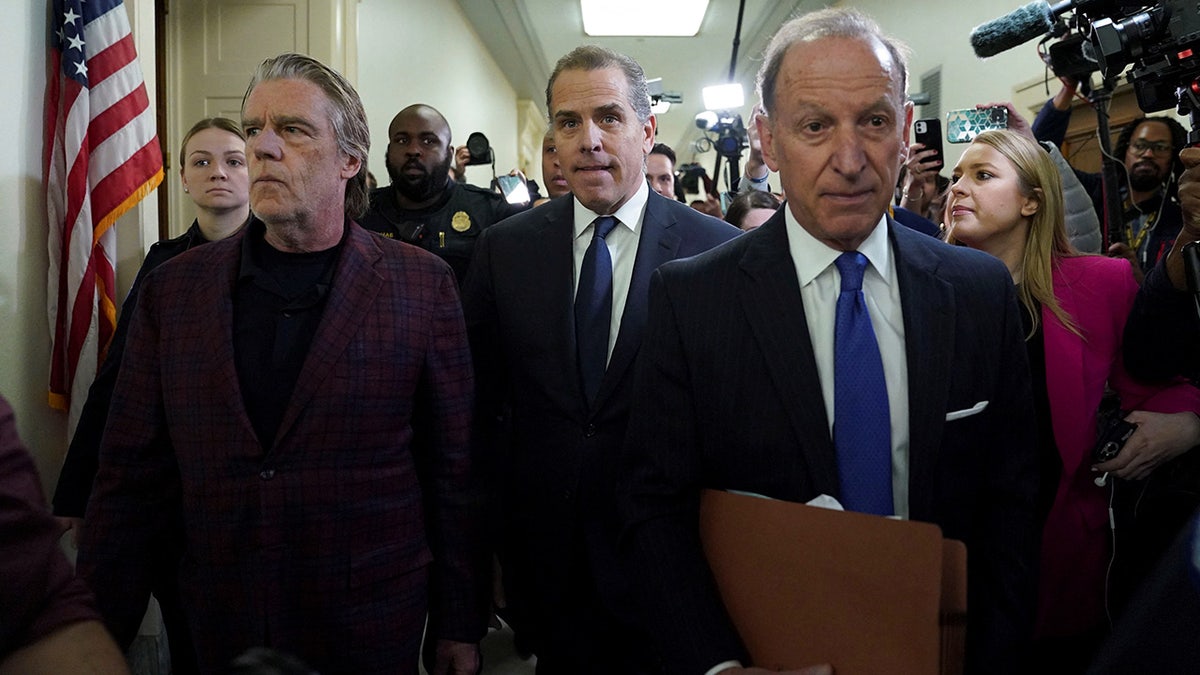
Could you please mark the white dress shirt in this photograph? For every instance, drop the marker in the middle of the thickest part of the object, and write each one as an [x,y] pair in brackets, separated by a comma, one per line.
[622,247]
[820,286]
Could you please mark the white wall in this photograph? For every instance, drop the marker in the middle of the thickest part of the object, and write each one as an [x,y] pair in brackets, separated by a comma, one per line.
[24,336]
[938,35]
[416,51]
[24,328]
[937,32]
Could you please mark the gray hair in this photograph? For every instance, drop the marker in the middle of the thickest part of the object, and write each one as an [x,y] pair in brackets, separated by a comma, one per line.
[592,57]
[825,23]
[346,114]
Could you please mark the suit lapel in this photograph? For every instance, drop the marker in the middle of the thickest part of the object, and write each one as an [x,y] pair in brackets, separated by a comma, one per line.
[657,244]
[217,301]
[355,285]
[928,304]
[770,296]
[550,282]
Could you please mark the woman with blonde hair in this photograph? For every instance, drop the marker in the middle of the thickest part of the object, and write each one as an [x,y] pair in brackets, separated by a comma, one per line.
[1006,200]
[214,175]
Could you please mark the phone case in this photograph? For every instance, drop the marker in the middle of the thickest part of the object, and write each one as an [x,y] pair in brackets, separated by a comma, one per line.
[928,132]
[962,126]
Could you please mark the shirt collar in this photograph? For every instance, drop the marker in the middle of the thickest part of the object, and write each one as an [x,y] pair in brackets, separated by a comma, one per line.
[256,231]
[630,213]
[813,256]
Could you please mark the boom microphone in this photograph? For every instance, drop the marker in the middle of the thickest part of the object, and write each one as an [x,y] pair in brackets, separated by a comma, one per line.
[1016,28]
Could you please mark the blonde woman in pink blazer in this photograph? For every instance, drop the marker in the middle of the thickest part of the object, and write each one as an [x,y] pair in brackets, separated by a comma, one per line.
[1006,200]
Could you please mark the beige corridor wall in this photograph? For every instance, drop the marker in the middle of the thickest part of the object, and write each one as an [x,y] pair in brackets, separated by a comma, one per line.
[937,32]
[424,51]
[24,347]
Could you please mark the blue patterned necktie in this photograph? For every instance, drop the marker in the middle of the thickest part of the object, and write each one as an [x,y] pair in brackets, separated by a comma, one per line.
[593,307]
[862,430]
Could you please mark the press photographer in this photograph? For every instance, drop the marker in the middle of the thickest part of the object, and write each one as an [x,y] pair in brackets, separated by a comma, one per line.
[1151,206]
[1159,40]
[1148,148]
[1136,193]
[1162,336]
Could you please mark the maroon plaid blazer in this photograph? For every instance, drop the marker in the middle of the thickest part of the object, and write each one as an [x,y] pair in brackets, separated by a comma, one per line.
[321,546]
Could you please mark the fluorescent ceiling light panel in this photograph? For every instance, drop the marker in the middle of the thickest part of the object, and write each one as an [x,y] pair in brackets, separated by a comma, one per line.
[723,97]
[676,18]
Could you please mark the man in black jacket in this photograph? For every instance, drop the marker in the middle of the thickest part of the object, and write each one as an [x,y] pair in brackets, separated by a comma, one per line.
[423,206]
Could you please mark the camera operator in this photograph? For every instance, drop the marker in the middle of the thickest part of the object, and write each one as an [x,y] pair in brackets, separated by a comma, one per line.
[1162,338]
[1147,148]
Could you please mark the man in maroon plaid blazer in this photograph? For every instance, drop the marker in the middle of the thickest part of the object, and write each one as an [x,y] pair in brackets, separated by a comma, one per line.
[298,397]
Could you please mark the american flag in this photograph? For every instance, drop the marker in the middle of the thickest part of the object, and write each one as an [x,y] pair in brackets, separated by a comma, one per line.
[102,158]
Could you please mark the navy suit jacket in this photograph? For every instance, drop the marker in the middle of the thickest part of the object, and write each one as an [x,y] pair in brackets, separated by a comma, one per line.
[556,458]
[320,545]
[728,397]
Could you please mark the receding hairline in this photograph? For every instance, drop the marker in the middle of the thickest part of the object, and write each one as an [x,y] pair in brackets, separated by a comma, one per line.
[822,24]
[894,69]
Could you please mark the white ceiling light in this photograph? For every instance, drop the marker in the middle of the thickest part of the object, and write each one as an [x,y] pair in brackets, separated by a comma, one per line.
[680,18]
[723,96]
[660,107]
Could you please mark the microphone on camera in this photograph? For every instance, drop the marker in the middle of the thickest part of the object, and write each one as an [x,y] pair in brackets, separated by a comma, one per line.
[1015,28]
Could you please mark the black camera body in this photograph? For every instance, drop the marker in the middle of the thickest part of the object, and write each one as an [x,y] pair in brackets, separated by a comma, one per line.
[1112,440]
[1161,40]
[480,149]
[1111,429]
[731,137]
[694,178]
[726,132]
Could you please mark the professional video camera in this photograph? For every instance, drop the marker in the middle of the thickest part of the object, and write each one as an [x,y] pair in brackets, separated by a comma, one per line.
[1161,40]
[725,132]
[694,178]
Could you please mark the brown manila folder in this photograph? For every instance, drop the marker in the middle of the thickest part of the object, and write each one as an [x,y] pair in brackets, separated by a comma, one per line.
[807,585]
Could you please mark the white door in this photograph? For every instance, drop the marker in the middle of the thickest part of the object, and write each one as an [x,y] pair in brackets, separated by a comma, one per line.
[213,47]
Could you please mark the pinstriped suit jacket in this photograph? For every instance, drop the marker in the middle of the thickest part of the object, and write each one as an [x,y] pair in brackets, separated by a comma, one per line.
[728,397]
[320,545]
[557,474]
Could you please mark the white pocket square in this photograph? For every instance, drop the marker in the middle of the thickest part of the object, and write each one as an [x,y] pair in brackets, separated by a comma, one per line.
[973,410]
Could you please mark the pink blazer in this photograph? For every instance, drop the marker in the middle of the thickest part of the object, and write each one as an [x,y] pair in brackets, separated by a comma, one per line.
[1097,293]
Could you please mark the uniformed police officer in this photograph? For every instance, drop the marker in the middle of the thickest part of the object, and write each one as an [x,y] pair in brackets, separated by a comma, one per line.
[423,206]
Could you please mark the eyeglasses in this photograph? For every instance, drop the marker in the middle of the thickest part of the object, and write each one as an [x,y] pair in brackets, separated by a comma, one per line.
[1159,149]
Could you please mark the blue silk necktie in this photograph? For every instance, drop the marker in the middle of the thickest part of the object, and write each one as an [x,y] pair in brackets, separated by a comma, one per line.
[862,431]
[593,307]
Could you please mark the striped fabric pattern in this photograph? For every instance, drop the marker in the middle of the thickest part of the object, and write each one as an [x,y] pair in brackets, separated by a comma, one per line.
[102,157]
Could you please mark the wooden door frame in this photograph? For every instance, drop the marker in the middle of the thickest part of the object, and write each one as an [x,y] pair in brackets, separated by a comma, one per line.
[160,114]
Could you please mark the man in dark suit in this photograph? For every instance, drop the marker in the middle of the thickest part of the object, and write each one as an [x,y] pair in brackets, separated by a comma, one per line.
[299,395]
[560,385]
[739,385]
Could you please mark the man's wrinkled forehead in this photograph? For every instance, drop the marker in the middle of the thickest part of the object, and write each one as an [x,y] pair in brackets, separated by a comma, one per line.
[889,67]
[802,66]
